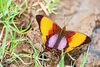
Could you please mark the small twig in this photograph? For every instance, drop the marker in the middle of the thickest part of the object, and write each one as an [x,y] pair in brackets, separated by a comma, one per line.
[70,56]
[1,35]
[44,8]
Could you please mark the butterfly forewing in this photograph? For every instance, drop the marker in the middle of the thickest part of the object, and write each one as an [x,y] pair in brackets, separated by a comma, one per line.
[75,39]
[47,27]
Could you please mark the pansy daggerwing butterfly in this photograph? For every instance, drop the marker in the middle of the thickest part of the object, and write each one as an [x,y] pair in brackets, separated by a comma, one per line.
[56,38]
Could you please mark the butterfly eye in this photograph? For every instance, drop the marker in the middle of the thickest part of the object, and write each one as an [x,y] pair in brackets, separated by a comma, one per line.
[52,40]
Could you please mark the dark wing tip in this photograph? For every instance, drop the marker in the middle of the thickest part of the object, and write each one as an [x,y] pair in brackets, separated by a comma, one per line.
[88,40]
[38,18]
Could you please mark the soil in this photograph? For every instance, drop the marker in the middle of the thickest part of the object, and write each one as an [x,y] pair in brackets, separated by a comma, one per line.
[85,14]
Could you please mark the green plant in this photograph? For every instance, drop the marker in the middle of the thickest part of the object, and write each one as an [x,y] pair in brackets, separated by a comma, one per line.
[84,57]
[62,58]
[50,5]
[8,11]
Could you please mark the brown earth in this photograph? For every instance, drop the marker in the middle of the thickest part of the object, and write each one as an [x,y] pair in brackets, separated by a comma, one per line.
[85,14]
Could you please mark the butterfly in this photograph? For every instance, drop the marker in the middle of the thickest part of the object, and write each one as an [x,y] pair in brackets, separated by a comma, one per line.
[56,38]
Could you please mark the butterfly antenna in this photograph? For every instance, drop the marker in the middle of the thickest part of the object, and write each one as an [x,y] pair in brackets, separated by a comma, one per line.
[67,20]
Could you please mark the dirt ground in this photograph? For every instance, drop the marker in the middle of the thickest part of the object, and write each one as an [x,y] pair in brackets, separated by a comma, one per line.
[86,19]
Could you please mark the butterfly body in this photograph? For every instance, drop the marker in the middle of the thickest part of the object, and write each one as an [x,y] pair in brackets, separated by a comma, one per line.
[56,38]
